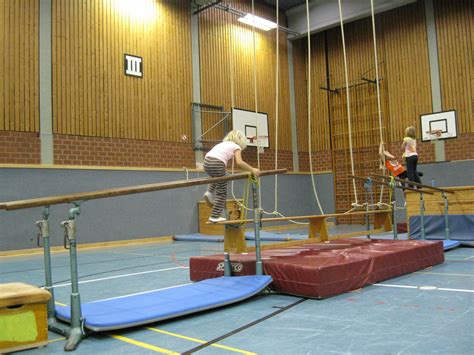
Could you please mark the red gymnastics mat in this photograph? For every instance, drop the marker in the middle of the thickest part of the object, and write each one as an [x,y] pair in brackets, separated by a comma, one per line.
[322,270]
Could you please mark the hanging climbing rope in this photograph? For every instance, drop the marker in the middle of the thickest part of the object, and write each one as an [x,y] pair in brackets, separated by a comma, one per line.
[356,205]
[275,212]
[377,84]
[346,76]
[309,111]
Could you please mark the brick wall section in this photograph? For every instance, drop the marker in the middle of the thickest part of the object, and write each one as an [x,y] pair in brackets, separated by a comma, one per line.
[322,161]
[267,159]
[460,148]
[95,151]
[19,148]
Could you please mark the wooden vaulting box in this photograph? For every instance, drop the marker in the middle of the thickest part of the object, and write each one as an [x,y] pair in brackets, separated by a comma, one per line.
[23,317]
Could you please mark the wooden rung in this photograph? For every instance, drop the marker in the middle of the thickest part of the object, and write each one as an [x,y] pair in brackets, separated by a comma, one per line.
[321,216]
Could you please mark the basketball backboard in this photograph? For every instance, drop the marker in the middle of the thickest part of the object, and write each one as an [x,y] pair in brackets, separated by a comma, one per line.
[438,125]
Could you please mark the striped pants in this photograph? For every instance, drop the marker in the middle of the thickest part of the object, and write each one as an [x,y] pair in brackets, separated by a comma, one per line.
[216,168]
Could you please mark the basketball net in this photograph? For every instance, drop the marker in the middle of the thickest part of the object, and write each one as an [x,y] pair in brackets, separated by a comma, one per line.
[259,142]
[434,135]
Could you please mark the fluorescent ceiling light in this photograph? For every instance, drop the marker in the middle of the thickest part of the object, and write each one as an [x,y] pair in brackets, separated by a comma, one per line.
[258,22]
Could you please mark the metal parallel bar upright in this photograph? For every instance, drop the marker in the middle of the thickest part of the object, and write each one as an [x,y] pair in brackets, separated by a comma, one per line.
[76,332]
[257,226]
[421,192]
[422,205]
[368,190]
[446,222]
[43,226]
[393,203]
[422,216]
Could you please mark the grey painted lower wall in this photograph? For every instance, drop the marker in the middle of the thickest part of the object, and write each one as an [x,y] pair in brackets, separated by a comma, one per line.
[160,213]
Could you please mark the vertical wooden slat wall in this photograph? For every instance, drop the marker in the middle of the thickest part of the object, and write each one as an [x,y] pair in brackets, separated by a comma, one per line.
[403,69]
[408,79]
[319,108]
[455,31]
[91,94]
[226,43]
[19,91]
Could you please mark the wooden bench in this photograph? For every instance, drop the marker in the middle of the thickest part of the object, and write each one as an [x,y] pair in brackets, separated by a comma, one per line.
[234,239]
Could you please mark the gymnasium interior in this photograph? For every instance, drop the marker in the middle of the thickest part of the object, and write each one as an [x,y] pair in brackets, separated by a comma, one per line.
[108,109]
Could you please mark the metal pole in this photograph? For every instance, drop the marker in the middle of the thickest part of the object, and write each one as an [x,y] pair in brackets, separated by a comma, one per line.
[422,215]
[227,265]
[367,219]
[256,214]
[75,334]
[446,223]
[43,225]
[394,219]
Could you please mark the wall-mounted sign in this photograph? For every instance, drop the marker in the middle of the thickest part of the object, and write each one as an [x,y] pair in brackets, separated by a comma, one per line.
[133,65]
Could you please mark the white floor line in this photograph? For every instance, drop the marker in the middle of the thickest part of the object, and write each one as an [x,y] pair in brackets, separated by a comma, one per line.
[427,288]
[120,276]
[141,293]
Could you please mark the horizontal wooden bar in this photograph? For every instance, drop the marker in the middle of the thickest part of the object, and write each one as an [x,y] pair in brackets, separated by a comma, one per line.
[413,183]
[361,178]
[120,191]
[317,216]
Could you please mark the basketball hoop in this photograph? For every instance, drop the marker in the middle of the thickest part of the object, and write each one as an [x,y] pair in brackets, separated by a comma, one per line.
[259,142]
[434,135]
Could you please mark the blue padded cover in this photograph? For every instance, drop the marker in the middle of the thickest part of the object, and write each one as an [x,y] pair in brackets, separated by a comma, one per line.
[450,244]
[198,237]
[461,227]
[268,236]
[129,311]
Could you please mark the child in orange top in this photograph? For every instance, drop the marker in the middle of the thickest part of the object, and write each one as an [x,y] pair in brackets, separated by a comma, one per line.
[392,164]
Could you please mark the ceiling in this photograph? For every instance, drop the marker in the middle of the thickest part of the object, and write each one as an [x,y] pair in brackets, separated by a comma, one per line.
[286,4]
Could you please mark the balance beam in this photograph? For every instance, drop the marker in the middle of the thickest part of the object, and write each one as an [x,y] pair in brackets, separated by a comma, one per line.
[293,243]
[120,191]
[317,229]
[309,217]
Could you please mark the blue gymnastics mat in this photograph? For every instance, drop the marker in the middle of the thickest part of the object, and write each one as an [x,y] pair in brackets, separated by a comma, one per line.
[158,305]
[198,237]
[450,244]
[268,236]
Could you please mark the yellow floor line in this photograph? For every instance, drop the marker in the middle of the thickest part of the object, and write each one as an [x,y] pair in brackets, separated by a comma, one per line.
[101,245]
[60,304]
[200,341]
[57,339]
[143,345]
[443,273]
